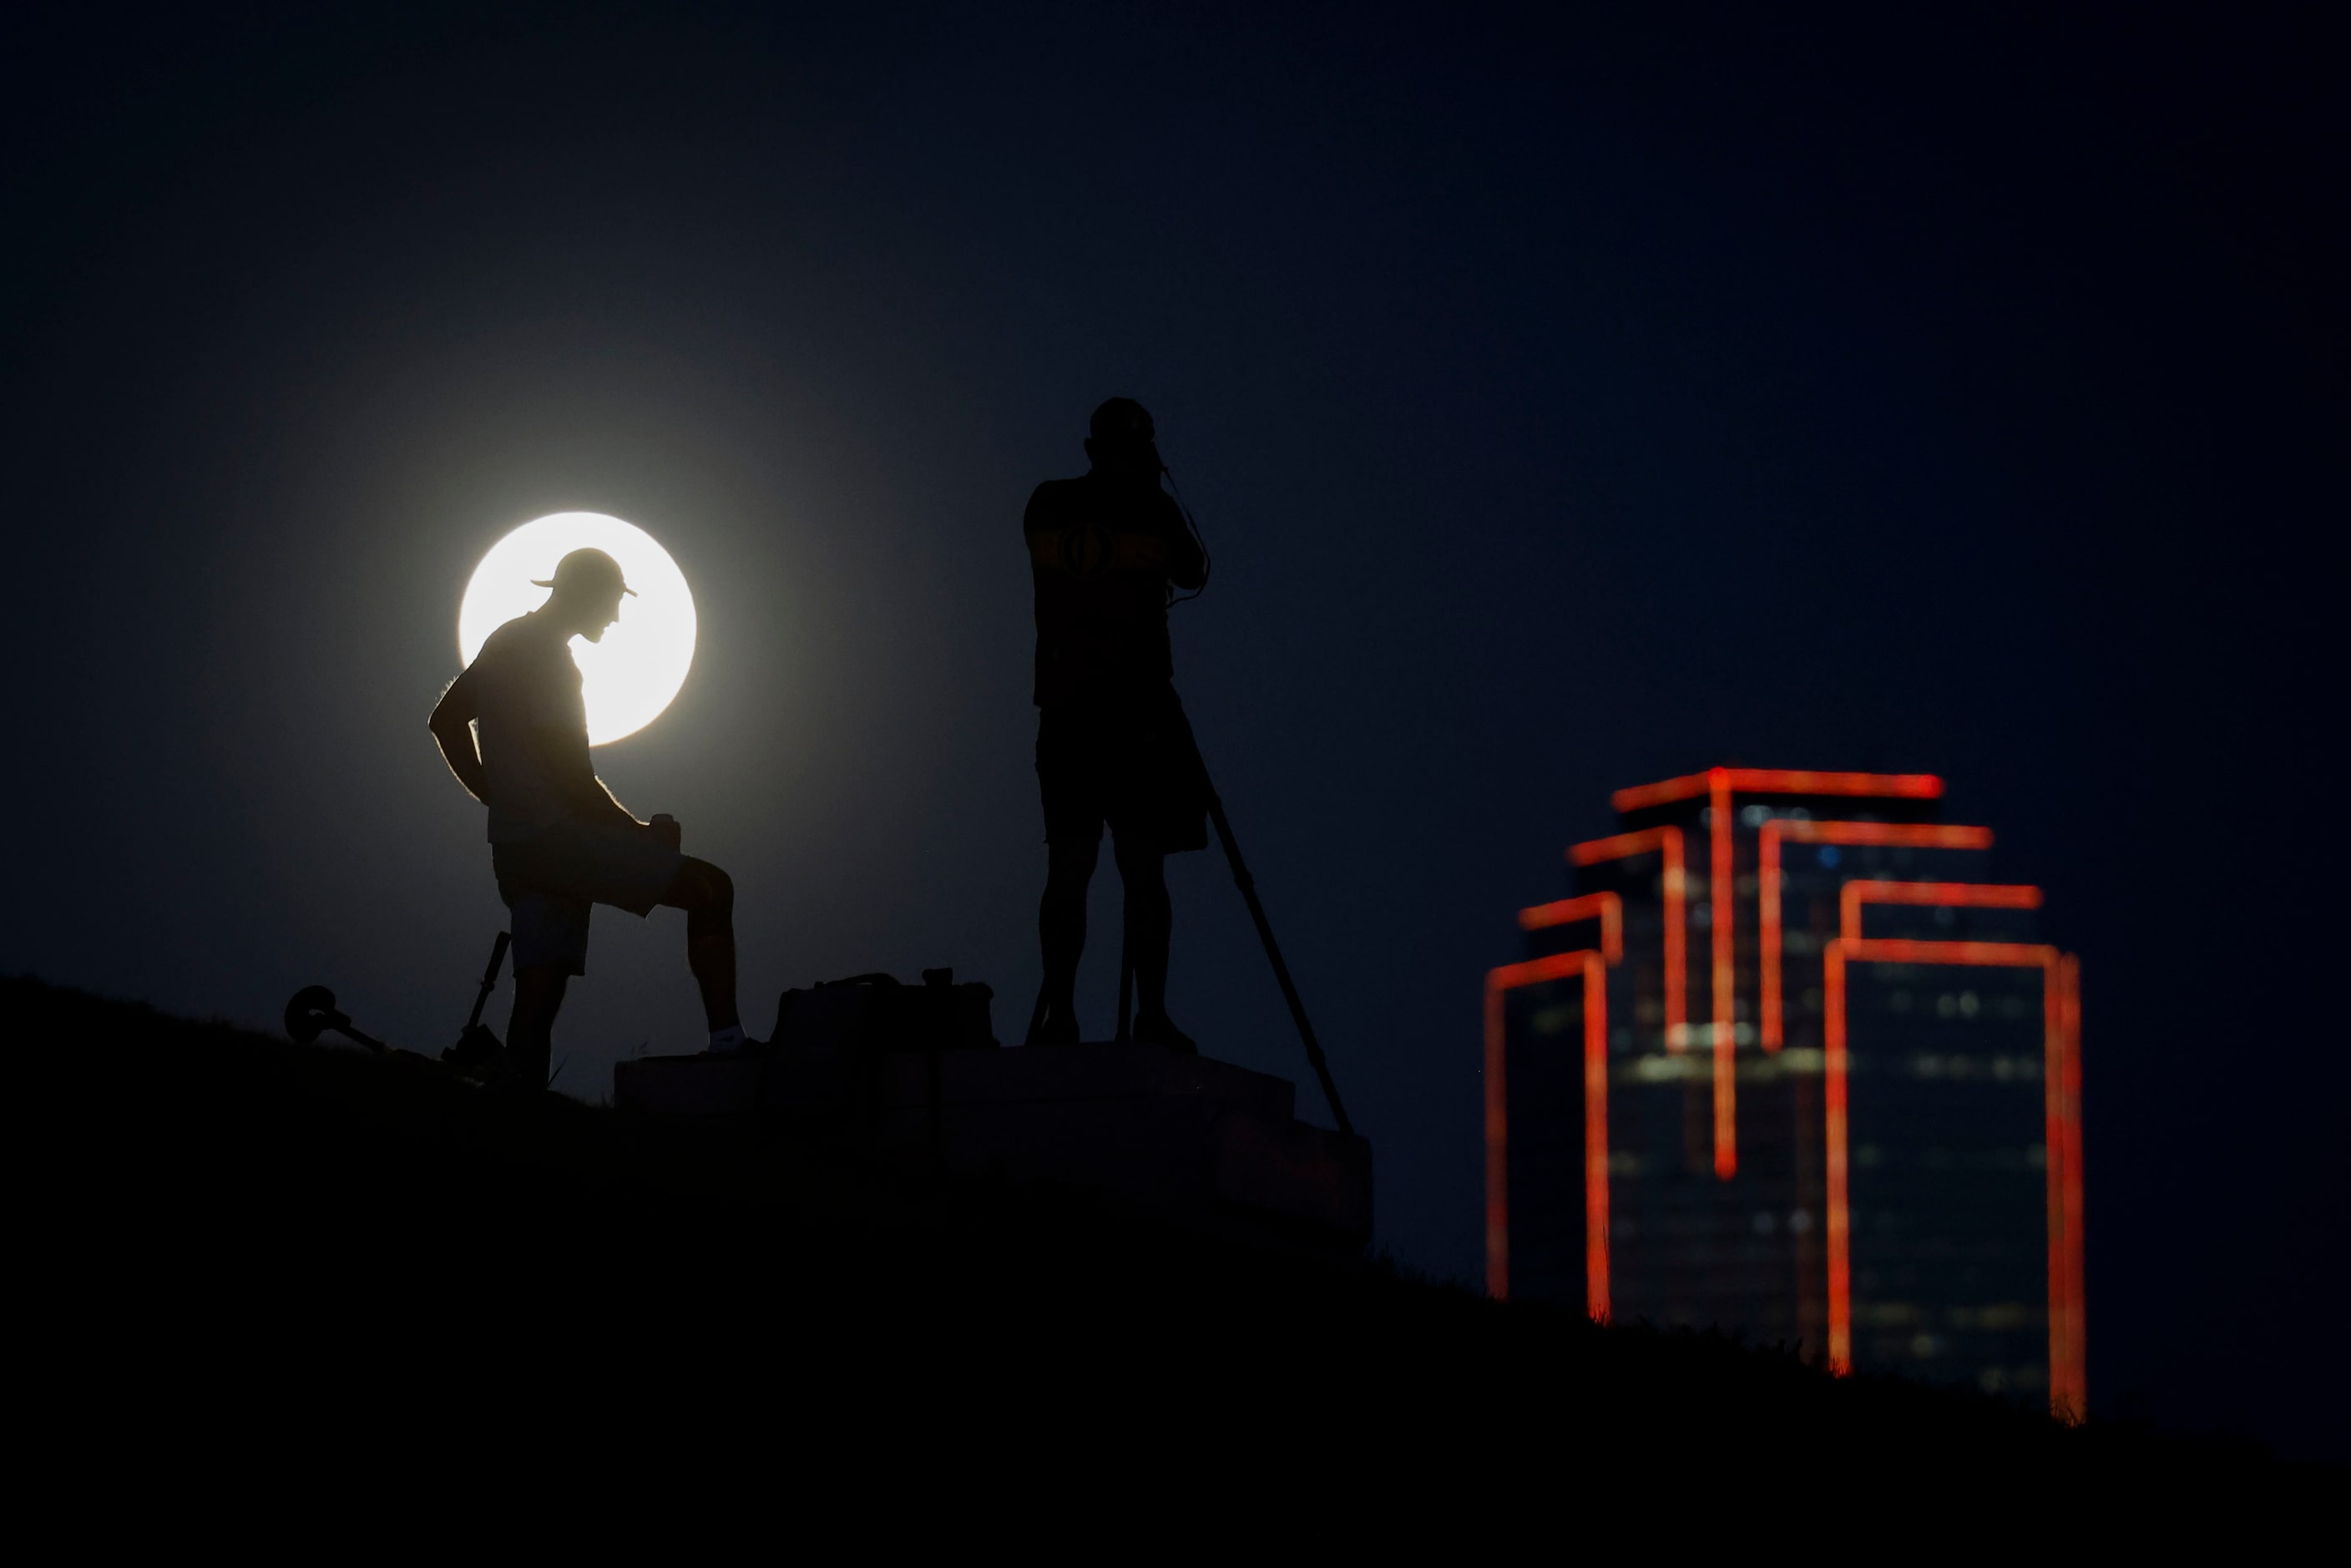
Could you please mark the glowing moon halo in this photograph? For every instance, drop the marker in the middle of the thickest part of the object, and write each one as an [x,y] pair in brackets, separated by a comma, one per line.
[628,677]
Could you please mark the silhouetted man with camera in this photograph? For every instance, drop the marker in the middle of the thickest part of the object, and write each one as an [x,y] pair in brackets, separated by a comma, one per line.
[560,842]
[1105,551]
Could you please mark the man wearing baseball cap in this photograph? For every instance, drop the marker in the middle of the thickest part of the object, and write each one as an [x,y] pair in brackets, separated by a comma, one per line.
[514,729]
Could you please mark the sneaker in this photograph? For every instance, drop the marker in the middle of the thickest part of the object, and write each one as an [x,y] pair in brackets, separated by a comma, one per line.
[1056,1028]
[1158,1029]
[749,1047]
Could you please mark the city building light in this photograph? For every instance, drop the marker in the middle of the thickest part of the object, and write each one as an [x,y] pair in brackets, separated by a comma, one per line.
[1869,1160]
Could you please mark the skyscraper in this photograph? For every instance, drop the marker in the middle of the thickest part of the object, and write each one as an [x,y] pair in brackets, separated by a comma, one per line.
[1786,1062]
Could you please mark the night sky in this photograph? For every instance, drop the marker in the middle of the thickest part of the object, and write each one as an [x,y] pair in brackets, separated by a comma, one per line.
[1570,399]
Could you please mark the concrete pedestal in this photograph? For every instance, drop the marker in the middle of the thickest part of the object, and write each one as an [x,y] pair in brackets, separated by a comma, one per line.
[1192,1138]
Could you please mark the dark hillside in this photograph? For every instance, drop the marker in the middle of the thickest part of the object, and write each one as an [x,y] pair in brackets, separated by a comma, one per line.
[203,1197]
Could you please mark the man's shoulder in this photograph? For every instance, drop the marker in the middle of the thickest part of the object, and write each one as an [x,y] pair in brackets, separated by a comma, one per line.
[1056,496]
[519,645]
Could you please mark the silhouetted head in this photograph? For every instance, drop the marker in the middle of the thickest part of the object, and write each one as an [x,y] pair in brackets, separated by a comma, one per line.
[586,598]
[1123,443]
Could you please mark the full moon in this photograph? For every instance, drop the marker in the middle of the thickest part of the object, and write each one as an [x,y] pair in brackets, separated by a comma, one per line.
[628,677]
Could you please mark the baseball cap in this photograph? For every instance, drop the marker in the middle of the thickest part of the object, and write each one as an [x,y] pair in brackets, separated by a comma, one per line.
[586,569]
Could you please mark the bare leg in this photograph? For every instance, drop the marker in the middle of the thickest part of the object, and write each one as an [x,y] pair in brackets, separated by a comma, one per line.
[707,896]
[1150,920]
[1062,930]
[712,960]
[530,1026]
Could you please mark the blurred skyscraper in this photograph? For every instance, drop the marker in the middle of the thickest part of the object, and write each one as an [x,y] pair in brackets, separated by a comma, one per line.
[1786,1064]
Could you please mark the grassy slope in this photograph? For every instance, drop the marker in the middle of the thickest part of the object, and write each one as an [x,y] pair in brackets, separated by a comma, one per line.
[322,1219]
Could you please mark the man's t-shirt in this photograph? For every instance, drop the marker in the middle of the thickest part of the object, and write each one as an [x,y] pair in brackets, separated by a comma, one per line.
[1101,555]
[525,683]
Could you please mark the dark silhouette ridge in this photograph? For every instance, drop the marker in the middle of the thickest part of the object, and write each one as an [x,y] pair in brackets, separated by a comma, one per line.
[514,729]
[323,1220]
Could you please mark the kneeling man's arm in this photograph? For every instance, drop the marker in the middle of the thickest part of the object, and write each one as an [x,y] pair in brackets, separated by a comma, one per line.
[566,758]
[453,728]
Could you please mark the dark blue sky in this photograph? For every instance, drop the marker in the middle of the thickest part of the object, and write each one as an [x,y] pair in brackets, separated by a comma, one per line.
[1572,398]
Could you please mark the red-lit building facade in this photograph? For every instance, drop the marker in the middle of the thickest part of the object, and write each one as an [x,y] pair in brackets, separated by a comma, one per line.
[1787,1061]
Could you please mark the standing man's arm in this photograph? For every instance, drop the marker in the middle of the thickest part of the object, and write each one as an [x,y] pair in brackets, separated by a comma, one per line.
[1187,569]
[453,728]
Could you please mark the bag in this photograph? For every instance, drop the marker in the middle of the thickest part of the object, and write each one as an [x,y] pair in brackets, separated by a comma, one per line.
[876,1013]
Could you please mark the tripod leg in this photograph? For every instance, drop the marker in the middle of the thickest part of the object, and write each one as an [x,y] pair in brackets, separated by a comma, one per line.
[1247,885]
[1125,989]
[489,978]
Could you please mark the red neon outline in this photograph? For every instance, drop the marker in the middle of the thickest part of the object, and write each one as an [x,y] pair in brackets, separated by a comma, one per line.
[1593,967]
[1607,907]
[2071,1402]
[1780,781]
[1836,1177]
[1667,842]
[1722,883]
[2060,1137]
[1940,894]
[1768,884]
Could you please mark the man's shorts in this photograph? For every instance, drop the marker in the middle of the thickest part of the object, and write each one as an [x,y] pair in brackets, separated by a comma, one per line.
[550,880]
[1133,765]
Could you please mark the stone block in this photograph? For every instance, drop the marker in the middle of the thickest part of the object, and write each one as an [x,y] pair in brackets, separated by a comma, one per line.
[1190,1137]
